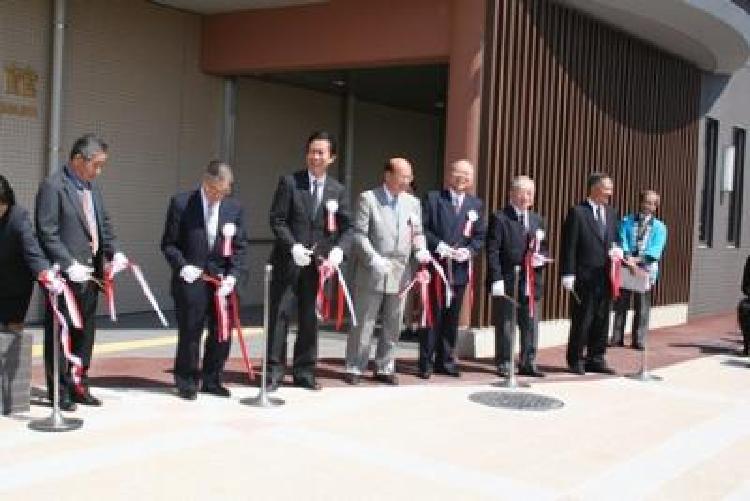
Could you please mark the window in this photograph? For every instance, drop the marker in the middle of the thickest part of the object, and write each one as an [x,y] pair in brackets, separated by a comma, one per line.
[735,197]
[706,224]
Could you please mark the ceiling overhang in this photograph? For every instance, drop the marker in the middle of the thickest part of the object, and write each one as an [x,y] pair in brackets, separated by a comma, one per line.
[218,6]
[715,36]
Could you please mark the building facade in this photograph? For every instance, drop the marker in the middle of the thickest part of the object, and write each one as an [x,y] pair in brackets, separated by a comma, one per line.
[652,92]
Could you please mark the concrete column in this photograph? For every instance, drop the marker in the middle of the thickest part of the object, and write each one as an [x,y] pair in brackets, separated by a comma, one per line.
[464,81]
[464,94]
[229,120]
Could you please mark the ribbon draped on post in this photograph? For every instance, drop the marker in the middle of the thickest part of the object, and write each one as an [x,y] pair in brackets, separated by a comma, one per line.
[109,291]
[228,317]
[421,277]
[326,271]
[615,276]
[59,322]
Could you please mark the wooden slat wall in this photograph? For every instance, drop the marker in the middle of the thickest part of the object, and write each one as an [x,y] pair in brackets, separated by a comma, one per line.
[566,95]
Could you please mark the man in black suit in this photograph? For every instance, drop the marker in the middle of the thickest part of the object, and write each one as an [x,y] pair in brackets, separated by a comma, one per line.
[21,260]
[311,221]
[588,245]
[453,223]
[516,237]
[75,232]
[197,225]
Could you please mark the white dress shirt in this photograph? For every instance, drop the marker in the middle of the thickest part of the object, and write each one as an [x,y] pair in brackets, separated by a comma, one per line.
[211,218]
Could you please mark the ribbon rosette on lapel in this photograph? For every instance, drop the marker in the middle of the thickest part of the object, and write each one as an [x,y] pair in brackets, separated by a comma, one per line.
[471,217]
[229,230]
[332,206]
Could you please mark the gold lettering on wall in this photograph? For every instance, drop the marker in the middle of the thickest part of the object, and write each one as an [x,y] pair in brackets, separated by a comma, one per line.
[20,94]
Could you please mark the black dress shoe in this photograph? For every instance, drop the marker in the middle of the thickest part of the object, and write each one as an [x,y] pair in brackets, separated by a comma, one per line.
[577,368]
[531,371]
[390,379]
[85,398]
[217,390]
[503,371]
[617,343]
[637,346]
[448,371]
[352,379]
[272,385]
[66,404]
[600,369]
[308,384]
[424,374]
[187,393]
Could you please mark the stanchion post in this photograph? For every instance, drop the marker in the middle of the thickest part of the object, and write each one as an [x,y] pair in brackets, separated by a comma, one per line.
[511,381]
[263,400]
[643,374]
[56,421]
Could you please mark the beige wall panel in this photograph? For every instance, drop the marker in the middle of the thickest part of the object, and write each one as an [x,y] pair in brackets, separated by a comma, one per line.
[381,132]
[273,123]
[131,75]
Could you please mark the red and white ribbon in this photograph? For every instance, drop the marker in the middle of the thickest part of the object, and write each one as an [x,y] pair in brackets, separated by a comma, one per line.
[326,271]
[228,231]
[59,322]
[332,207]
[615,276]
[471,218]
[227,311]
[422,278]
[109,291]
[447,280]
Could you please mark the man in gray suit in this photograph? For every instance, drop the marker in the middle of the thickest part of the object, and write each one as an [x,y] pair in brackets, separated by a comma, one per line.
[75,233]
[388,228]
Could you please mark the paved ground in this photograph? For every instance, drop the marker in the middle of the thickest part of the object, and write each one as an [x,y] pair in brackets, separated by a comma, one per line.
[686,437]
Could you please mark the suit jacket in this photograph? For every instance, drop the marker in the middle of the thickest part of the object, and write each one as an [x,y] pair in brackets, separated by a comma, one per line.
[656,240]
[441,223]
[185,240]
[293,221]
[746,278]
[507,242]
[21,258]
[584,251]
[381,230]
[61,224]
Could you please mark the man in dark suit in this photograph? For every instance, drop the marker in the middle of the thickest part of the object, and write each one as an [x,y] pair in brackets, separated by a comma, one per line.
[588,244]
[455,229]
[75,232]
[311,221]
[514,232]
[197,224]
[21,260]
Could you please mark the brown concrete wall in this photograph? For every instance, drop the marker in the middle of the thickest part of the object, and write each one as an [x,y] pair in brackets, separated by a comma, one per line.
[340,33]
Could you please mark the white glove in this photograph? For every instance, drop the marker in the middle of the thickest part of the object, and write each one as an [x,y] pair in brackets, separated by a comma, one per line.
[79,273]
[444,250]
[227,285]
[537,260]
[51,281]
[336,256]
[190,273]
[616,253]
[498,288]
[423,256]
[568,281]
[381,264]
[301,255]
[462,254]
[119,262]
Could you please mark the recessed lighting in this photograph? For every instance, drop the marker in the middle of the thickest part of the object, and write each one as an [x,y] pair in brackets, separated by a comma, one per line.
[339,83]
[439,105]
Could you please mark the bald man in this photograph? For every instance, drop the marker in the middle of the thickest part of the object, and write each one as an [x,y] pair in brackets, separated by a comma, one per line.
[387,231]
[455,228]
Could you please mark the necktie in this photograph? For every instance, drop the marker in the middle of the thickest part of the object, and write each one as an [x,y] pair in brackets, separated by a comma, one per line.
[211,224]
[600,220]
[88,210]
[316,196]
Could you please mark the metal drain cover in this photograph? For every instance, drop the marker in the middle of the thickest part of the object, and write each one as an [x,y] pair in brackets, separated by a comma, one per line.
[516,400]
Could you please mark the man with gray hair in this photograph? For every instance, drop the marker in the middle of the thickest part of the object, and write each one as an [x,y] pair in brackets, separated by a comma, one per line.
[75,232]
[516,237]
[204,236]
